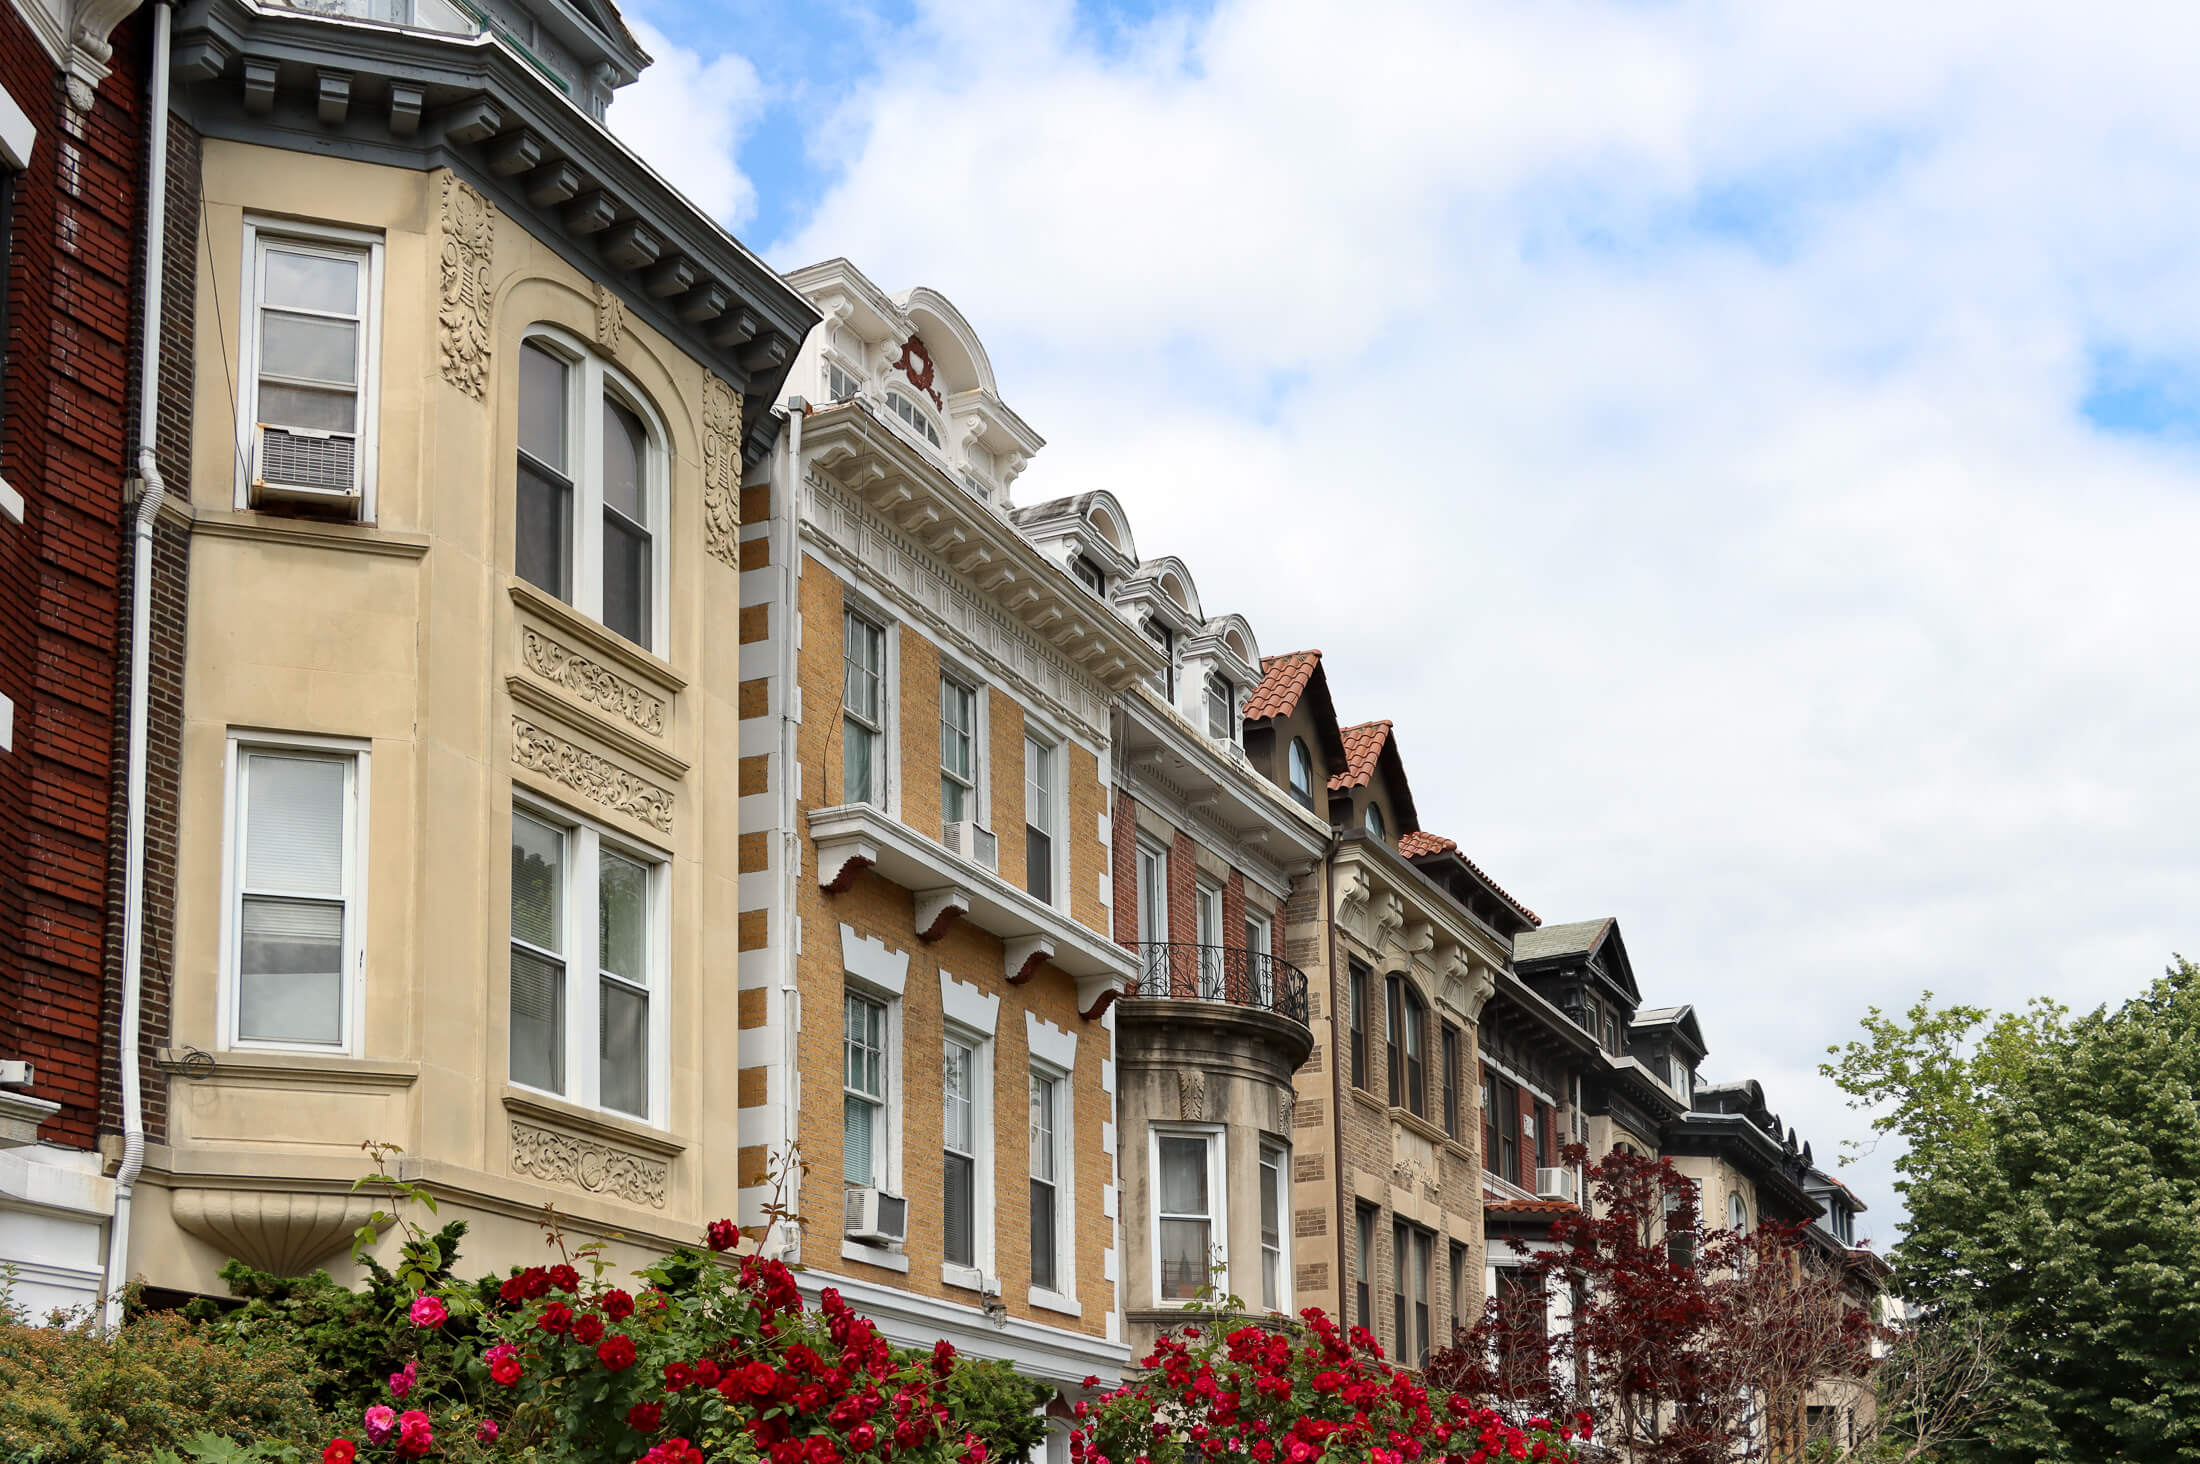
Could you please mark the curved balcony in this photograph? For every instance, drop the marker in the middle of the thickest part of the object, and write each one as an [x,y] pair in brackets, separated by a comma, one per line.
[1228,974]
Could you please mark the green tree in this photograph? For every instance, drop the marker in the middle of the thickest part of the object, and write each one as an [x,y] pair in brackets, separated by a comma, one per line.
[2053,1183]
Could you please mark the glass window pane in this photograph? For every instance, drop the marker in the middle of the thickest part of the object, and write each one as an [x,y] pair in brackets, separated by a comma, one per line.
[956,1116]
[622,917]
[1271,1214]
[542,399]
[859,1144]
[1183,1258]
[1183,1176]
[309,347]
[308,408]
[954,800]
[625,461]
[1042,1128]
[855,764]
[294,824]
[961,1211]
[311,281]
[290,963]
[1039,785]
[538,1021]
[1042,1235]
[626,590]
[623,1045]
[1038,865]
[538,883]
[542,552]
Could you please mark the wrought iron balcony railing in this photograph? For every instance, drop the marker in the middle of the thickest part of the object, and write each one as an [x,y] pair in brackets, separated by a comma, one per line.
[1229,974]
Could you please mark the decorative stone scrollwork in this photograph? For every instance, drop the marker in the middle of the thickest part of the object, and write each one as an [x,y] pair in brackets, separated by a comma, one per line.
[1390,917]
[1191,1095]
[462,322]
[1286,1102]
[610,319]
[598,779]
[597,1168]
[721,471]
[591,682]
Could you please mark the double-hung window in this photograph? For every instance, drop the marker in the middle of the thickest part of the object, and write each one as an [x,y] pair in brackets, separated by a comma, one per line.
[1090,575]
[592,494]
[1207,914]
[576,894]
[959,1129]
[1460,1297]
[295,882]
[309,348]
[1410,1248]
[1221,708]
[1039,785]
[1508,1131]
[863,1089]
[958,751]
[863,711]
[1275,1205]
[1188,1218]
[1408,1065]
[1259,933]
[1165,679]
[1358,1015]
[1157,976]
[1049,1165]
[1451,1080]
[1490,1153]
[1365,1217]
[1302,773]
[839,385]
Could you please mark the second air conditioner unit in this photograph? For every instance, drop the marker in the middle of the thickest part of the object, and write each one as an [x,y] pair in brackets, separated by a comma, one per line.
[298,468]
[974,842]
[1558,1184]
[875,1217]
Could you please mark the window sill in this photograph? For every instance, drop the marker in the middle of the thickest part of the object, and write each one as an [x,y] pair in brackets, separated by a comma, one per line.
[1406,1118]
[287,1065]
[275,528]
[962,1278]
[1055,1301]
[871,1255]
[599,638]
[594,1121]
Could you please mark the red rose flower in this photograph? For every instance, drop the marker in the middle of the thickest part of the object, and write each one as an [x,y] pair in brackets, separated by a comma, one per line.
[587,1328]
[339,1451]
[706,1373]
[617,1352]
[943,1357]
[722,1235]
[556,1317]
[644,1417]
[677,1376]
[565,1278]
[760,1379]
[862,1436]
[617,1305]
[503,1360]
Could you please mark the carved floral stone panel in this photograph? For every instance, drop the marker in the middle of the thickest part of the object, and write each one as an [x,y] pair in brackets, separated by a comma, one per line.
[598,779]
[462,320]
[610,319]
[590,682]
[599,1169]
[721,471]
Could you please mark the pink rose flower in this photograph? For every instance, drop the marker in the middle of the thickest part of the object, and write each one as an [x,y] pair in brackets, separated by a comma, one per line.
[381,1421]
[487,1432]
[401,1382]
[429,1311]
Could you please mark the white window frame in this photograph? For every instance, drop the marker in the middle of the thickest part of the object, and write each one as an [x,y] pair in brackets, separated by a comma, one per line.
[983,1210]
[1208,934]
[329,238]
[1057,747]
[586,842]
[886,796]
[885,1130]
[589,379]
[351,1004]
[1153,913]
[1260,950]
[1218,1202]
[1276,1159]
[854,379]
[1062,1297]
[1215,682]
[1737,1213]
[974,784]
[929,435]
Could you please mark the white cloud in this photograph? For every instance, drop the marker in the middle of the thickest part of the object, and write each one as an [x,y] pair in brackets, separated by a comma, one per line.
[1668,414]
[688,117]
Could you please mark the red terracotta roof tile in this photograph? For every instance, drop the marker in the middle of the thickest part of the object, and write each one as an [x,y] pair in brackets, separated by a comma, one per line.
[1421,842]
[1528,1207]
[1362,746]
[1282,679]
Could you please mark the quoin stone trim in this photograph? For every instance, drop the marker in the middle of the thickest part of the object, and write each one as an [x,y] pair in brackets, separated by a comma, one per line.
[597,1168]
[462,322]
[590,682]
[600,780]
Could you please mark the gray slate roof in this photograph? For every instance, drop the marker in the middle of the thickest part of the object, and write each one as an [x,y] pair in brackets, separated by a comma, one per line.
[1575,939]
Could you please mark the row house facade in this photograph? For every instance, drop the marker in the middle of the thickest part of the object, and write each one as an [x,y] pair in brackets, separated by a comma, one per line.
[456,404]
[72,159]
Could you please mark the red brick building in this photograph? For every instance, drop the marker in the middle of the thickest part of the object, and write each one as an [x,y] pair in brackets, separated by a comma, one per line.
[71,168]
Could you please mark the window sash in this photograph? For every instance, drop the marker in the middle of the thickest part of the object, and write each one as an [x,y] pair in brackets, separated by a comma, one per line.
[1221,708]
[863,1091]
[1046,1170]
[863,708]
[1364,1284]
[1451,1080]
[1301,773]
[1039,760]
[1153,894]
[1273,1207]
[958,751]
[1358,980]
[1185,1201]
[299,900]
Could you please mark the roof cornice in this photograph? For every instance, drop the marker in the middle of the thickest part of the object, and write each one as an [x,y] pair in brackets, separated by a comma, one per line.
[411,98]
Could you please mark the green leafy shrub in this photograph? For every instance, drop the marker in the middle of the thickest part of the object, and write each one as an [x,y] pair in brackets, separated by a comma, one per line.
[73,1395]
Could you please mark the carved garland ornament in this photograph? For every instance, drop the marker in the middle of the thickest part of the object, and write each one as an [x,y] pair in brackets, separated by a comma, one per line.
[916,364]
[596,1168]
[610,318]
[1191,1095]
[591,682]
[721,471]
[469,238]
[598,779]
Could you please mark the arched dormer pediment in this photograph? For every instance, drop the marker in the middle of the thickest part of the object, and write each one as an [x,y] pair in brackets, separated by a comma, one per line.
[958,356]
[1171,584]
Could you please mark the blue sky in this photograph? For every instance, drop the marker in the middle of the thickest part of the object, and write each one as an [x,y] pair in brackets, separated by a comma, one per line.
[1748,450]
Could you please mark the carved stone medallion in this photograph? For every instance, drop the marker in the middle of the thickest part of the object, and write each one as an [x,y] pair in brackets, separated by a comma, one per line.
[586,1165]
[462,321]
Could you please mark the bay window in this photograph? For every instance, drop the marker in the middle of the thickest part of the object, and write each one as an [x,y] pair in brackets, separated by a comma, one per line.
[1187,1211]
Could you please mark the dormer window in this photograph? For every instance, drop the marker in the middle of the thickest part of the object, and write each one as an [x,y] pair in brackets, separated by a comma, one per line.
[1302,773]
[839,385]
[1090,575]
[1221,708]
[1162,636]
[1375,823]
[1683,1080]
[914,415]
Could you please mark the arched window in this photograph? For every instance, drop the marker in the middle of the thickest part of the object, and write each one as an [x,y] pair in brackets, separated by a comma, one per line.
[1408,1043]
[1375,821]
[1302,773]
[592,490]
[1737,1215]
[909,412]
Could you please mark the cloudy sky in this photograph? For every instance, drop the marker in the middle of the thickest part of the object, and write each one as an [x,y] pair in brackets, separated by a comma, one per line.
[1752,451]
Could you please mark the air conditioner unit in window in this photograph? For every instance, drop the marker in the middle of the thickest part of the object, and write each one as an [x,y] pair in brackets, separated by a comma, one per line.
[974,842]
[302,468]
[875,1217]
[1558,1184]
